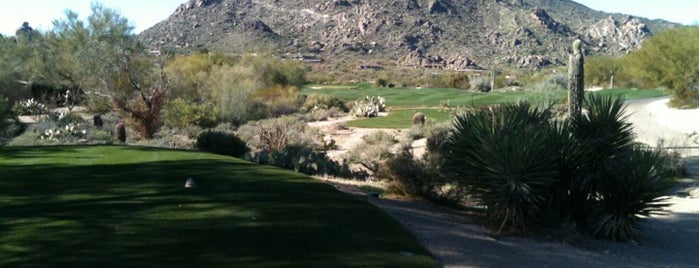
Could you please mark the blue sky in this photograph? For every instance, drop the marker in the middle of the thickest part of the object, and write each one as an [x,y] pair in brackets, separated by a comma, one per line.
[680,11]
[146,13]
[40,13]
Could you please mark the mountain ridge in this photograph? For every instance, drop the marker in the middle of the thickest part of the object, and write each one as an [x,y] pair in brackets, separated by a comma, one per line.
[449,34]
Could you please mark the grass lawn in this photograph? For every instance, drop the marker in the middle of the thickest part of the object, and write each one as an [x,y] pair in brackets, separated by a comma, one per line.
[109,206]
[402,103]
[399,119]
[401,98]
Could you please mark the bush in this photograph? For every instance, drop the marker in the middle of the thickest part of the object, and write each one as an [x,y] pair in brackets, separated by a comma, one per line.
[409,176]
[599,70]
[231,90]
[280,100]
[181,113]
[278,134]
[450,80]
[221,143]
[552,82]
[480,84]
[669,60]
[304,160]
[373,150]
[321,114]
[324,101]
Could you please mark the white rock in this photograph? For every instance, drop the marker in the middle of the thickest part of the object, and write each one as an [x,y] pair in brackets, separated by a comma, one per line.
[189,183]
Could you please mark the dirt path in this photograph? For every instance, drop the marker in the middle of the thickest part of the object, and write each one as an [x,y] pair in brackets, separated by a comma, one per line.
[668,241]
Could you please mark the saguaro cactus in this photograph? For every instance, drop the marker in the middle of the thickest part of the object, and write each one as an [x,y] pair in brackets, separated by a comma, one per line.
[576,79]
[120,131]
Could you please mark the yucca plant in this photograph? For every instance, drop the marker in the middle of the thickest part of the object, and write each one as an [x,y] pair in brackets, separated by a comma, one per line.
[631,188]
[601,135]
[500,154]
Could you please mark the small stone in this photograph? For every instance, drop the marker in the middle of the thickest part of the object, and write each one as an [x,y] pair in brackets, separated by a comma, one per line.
[189,183]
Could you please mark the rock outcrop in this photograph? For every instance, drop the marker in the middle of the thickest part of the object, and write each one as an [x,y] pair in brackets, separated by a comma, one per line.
[450,34]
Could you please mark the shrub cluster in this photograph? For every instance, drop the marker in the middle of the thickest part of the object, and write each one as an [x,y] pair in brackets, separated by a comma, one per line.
[278,133]
[289,143]
[373,151]
[62,129]
[532,172]
[480,84]
[304,160]
[221,143]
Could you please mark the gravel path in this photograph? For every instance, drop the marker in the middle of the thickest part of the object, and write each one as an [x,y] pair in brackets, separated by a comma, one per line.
[668,241]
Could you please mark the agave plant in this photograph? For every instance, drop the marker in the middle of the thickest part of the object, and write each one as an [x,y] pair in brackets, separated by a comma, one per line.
[501,155]
[631,188]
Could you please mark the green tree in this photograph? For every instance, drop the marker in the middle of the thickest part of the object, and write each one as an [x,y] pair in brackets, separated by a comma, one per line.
[600,70]
[670,60]
[107,63]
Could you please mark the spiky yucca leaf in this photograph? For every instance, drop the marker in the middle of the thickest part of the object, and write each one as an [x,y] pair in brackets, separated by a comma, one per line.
[501,155]
[631,188]
[601,135]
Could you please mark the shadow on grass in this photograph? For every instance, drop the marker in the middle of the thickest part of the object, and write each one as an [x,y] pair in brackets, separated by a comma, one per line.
[140,214]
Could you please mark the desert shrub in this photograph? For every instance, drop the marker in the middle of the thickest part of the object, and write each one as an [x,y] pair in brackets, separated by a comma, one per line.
[101,137]
[321,114]
[304,160]
[409,176]
[424,177]
[369,106]
[221,143]
[669,60]
[373,150]
[450,80]
[559,80]
[231,90]
[188,75]
[553,82]
[274,71]
[599,70]
[480,84]
[381,82]
[278,133]
[181,113]
[324,101]
[458,80]
[280,100]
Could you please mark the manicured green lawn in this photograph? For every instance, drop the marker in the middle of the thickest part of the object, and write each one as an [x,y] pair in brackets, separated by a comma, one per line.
[402,103]
[400,98]
[399,119]
[126,206]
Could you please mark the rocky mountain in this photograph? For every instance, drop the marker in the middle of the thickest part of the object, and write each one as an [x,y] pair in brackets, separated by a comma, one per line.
[450,34]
